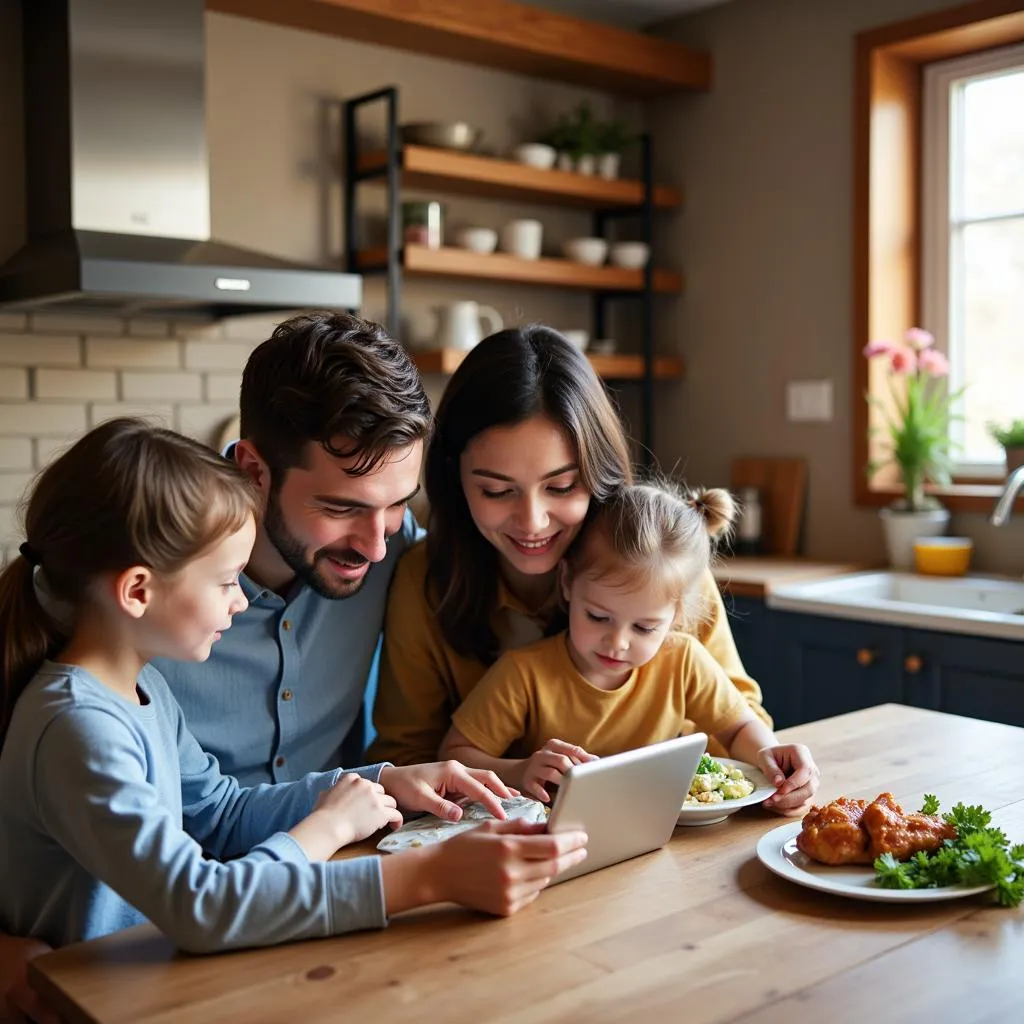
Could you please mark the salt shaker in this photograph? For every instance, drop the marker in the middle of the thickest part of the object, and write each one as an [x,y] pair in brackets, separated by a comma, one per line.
[749,529]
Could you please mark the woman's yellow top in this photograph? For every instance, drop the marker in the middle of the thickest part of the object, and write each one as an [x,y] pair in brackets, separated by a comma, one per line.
[422,680]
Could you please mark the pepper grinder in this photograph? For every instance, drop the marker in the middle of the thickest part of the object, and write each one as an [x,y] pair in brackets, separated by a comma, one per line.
[749,529]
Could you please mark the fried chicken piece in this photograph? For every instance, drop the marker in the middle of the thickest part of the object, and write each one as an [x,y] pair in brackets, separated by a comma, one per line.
[891,830]
[833,834]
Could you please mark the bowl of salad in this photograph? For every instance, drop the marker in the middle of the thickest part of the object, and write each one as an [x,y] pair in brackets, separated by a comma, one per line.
[720,787]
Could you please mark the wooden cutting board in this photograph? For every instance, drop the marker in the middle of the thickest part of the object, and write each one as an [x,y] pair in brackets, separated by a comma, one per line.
[783,486]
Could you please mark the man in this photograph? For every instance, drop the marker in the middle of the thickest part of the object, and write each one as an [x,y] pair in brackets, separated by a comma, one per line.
[334,421]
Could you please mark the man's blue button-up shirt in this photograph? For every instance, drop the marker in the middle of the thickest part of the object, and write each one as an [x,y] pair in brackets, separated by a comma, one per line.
[282,691]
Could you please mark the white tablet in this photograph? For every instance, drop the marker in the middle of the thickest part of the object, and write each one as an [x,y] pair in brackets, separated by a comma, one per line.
[626,803]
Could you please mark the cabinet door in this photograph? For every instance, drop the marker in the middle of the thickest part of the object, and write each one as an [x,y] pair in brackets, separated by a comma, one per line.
[831,666]
[966,675]
[750,622]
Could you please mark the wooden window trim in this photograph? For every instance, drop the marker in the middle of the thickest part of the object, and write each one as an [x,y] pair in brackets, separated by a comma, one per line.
[889,61]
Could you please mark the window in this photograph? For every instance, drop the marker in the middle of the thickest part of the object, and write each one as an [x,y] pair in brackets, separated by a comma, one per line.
[972,255]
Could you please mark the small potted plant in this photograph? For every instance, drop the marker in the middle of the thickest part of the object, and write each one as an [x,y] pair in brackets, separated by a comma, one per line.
[917,421]
[576,137]
[1012,439]
[613,139]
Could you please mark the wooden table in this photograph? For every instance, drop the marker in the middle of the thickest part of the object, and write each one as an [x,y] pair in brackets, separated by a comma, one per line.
[699,931]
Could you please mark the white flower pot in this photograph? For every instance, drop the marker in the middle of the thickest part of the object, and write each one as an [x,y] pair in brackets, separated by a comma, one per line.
[902,528]
[608,166]
[586,164]
[564,162]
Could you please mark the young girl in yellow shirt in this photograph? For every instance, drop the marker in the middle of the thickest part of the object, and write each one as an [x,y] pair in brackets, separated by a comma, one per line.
[625,673]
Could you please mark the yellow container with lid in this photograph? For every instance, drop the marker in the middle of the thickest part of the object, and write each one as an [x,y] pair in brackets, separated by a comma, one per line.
[943,556]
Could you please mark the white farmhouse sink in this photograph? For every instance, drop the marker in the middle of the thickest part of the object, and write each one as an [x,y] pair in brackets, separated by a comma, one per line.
[985,606]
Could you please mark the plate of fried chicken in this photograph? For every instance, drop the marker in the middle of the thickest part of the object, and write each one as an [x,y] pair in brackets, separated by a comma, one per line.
[834,848]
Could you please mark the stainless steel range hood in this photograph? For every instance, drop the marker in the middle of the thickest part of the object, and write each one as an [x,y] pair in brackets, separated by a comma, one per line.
[117,175]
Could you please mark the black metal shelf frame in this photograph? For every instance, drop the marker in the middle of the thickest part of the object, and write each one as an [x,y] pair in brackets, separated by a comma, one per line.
[392,172]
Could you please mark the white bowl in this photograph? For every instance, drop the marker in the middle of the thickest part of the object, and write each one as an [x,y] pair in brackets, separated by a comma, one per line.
[577,338]
[630,255]
[591,251]
[536,154]
[477,239]
[709,814]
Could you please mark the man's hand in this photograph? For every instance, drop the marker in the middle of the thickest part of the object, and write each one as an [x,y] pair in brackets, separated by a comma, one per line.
[19,1002]
[424,787]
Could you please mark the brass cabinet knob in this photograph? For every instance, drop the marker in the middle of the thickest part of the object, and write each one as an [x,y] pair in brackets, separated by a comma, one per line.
[866,656]
[913,664]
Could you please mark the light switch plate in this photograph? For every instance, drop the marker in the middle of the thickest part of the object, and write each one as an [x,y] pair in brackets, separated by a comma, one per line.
[809,401]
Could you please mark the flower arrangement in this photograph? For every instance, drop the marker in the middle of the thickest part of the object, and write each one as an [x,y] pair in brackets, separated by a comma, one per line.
[917,419]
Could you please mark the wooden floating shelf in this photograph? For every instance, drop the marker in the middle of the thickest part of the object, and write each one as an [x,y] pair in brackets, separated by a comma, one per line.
[498,34]
[611,367]
[555,273]
[443,170]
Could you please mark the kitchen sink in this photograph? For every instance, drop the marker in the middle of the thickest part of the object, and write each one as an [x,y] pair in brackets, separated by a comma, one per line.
[982,605]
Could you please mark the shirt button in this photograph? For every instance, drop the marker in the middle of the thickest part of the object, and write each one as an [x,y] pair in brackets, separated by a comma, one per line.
[287,695]
[286,625]
[279,762]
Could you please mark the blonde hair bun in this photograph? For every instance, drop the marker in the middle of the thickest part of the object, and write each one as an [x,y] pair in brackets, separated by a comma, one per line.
[715,506]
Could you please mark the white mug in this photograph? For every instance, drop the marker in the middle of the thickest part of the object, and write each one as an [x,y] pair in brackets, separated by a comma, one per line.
[522,238]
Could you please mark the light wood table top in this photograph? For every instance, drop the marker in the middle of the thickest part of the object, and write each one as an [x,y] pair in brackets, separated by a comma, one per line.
[699,931]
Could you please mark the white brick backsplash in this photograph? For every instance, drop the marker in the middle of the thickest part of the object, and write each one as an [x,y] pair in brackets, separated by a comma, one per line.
[216,355]
[204,421]
[61,323]
[161,386]
[143,328]
[13,383]
[11,534]
[223,387]
[255,328]
[132,353]
[12,486]
[41,419]
[80,385]
[213,330]
[48,448]
[39,350]
[15,453]
[13,322]
[159,415]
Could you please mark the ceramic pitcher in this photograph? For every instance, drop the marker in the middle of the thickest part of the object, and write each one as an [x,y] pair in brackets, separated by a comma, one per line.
[461,325]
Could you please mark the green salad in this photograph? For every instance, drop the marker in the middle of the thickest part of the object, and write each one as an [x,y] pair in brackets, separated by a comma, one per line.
[980,855]
[714,783]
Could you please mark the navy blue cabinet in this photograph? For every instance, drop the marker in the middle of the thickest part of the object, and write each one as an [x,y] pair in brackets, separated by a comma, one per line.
[813,666]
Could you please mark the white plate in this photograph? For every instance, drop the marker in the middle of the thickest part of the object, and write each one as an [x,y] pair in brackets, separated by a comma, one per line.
[777,851]
[708,814]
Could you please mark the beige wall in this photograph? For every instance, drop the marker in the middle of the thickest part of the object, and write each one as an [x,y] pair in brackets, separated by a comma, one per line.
[765,241]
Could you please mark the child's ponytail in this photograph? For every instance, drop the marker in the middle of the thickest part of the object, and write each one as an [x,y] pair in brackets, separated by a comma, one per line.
[716,507]
[28,634]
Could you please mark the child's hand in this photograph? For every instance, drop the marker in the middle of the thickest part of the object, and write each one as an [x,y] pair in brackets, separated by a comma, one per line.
[791,769]
[548,765]
[501,866]
[356,808]
[18,1000]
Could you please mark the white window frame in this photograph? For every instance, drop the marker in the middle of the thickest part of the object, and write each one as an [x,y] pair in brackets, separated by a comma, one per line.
[938,208]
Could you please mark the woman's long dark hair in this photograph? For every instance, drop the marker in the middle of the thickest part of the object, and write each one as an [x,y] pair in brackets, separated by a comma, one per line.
[508,378]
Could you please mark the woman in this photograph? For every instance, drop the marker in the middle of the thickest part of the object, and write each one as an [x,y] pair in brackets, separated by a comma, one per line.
[526,439]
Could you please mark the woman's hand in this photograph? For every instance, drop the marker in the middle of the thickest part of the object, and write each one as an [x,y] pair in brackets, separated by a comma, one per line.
[791,769]
[18,1001]
[500,867]
[549,764]
[424,787]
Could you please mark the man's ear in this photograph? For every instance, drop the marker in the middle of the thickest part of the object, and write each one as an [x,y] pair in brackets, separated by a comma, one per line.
[250,462]
[133,590]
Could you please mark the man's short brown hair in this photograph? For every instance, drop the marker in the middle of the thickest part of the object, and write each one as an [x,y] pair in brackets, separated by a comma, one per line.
[337,380]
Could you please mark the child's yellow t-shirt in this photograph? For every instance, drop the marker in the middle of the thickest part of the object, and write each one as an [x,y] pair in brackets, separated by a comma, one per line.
[536,693]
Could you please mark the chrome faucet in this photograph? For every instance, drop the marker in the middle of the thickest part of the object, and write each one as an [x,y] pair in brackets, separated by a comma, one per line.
[1004,506]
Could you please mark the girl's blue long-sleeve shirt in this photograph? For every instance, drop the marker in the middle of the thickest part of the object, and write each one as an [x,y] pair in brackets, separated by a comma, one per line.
[111,814]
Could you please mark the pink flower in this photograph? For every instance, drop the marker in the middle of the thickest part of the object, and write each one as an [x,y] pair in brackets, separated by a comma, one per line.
[919,339]
[879,348]
[903,360]
[933,362]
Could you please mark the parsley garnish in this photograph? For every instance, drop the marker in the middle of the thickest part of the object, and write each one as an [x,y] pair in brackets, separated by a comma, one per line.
[980,855]
[707,765]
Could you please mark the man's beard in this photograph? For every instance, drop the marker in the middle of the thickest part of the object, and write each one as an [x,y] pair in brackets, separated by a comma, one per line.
[322,581]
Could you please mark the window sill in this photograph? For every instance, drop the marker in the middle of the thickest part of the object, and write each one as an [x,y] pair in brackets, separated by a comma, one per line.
[957,497]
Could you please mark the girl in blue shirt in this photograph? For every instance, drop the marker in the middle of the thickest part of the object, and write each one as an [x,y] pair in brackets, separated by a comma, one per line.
[110,812]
